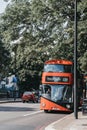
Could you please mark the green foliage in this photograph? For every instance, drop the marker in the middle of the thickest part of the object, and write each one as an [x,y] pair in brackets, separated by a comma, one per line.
[4,59]
[83,62]
[43,29]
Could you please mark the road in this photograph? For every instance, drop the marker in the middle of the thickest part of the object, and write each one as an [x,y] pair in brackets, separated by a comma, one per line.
[27,116]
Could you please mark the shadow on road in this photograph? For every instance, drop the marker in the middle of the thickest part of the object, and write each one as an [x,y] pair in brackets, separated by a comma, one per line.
[10,109]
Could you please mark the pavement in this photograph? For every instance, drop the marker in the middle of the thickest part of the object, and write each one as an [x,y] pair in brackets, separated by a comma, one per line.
[70,123]
[6,100]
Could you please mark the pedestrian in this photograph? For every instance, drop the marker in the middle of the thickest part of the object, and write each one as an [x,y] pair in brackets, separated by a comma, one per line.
[8,94]
[15,87]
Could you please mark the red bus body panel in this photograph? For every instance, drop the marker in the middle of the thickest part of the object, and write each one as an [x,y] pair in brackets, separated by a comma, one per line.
[63,62]
[45,74]
[49,105]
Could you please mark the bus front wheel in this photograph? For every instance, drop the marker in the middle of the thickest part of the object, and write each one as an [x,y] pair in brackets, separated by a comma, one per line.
[46,111]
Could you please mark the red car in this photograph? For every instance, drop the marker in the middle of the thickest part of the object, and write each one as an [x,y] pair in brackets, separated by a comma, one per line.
[29,96]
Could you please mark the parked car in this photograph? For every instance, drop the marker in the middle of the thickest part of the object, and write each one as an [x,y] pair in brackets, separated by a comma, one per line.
[29,96]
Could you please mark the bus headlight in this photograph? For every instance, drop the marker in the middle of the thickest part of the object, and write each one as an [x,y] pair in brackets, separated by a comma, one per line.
[43,104]
[68,106]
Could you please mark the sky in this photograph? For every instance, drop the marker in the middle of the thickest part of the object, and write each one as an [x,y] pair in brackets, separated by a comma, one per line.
[2,6]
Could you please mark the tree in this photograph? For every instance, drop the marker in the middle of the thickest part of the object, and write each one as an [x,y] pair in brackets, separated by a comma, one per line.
[83,62]
[46,30]
[82,36]
[4,59]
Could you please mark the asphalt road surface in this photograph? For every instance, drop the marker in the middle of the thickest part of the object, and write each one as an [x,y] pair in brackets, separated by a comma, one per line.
[25,116]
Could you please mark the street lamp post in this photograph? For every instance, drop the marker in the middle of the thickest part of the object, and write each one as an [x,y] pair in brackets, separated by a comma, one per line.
[75,64]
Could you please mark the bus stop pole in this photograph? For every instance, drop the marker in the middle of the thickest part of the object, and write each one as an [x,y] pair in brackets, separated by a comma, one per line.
[75,63]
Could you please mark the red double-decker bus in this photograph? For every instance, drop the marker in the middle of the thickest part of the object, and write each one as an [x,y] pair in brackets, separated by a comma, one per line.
[57,86]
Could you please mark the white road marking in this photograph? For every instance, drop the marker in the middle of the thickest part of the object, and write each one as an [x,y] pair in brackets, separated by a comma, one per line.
[32,113]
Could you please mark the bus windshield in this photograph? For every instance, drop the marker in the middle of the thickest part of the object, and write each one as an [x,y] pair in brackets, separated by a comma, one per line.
[57,68]
[59,92]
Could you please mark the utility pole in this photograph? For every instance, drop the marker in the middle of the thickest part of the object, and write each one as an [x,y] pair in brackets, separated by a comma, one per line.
[75,64]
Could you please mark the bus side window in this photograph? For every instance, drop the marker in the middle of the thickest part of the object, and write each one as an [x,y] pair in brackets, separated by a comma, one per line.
[47,89]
